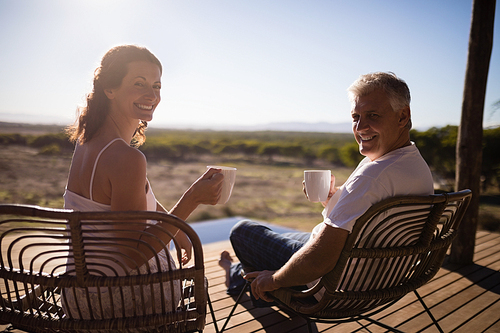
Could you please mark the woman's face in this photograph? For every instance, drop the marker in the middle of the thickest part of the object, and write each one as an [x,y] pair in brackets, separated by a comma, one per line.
[139,93]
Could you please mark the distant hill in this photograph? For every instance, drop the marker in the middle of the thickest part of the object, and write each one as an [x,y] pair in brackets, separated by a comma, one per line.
[284,127]
[25,128]
[33,119]
[22,124]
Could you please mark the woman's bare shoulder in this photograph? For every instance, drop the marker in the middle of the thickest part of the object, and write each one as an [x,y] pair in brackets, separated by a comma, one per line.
[122,157]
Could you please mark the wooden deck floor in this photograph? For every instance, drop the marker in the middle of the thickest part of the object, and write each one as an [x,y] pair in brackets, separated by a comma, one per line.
[462,298]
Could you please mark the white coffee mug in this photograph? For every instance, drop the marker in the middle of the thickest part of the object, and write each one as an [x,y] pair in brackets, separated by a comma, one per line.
[317,184]
[228,183]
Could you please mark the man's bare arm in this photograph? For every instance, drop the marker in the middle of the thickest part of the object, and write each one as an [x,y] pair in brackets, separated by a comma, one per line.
[313,260]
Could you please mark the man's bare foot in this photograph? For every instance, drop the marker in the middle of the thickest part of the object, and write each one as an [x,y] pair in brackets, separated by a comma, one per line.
[225,262]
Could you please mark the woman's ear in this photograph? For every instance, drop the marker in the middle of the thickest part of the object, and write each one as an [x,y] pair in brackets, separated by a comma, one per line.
[109,93]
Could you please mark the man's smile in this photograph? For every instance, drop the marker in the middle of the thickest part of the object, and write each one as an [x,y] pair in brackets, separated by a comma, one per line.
[366,138]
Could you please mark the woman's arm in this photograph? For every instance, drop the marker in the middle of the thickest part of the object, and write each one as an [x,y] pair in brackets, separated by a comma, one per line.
[180,237]
[205,190]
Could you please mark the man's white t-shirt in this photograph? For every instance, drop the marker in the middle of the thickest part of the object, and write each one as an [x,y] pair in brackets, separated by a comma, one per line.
[400,172]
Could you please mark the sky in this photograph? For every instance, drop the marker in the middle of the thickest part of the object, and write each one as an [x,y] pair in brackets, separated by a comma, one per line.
[237,63]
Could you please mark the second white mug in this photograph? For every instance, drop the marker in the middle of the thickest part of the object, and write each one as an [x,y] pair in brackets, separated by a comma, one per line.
[317,183]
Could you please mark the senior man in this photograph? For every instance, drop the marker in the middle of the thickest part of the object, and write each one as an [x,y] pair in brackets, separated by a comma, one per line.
[381,123]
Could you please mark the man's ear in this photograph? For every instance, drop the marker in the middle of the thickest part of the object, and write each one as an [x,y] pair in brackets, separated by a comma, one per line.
[109,93]
[404,116]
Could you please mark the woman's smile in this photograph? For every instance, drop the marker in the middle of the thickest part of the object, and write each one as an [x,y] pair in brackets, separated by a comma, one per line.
[144,107]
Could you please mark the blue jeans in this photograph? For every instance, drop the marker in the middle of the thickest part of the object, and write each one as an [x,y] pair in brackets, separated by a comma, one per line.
[260,248]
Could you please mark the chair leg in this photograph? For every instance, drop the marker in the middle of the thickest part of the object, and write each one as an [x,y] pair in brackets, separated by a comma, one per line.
[428,311]
[309,325]
[212,312]
[245,288]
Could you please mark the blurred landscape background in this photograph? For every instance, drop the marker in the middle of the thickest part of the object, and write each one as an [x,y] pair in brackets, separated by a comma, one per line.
[34,162]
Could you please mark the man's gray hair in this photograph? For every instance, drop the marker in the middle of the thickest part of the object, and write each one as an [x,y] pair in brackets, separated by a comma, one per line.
[396,89]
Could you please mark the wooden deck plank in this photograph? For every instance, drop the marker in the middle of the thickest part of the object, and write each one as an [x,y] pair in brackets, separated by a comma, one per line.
[493,328]
[473,308]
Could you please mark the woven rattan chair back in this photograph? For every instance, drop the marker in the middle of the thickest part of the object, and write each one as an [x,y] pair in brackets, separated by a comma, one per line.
[397,246]
[67,271]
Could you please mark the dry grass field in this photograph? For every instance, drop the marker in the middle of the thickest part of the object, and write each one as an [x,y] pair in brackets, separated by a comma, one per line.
[265,190]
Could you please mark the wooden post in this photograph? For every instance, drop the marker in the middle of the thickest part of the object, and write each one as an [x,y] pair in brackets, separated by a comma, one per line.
[470,132]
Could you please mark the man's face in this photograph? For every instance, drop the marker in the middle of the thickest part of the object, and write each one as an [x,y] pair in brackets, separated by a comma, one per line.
[376,127]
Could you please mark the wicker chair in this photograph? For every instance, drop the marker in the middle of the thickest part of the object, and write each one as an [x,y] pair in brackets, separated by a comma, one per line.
[54,278]
[397,246]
